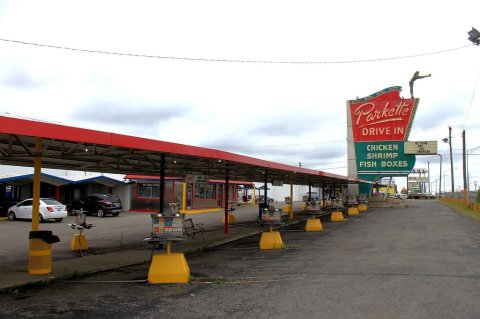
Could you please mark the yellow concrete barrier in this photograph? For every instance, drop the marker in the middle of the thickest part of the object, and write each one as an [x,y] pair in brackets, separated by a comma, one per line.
[362,207]
[271,240]
[169,269]
[313,225]
[232,219]
[303,206]
[353,211]
[79,242]
[337,216]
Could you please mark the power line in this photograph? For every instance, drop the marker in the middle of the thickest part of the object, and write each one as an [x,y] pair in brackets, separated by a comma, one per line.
[137,55]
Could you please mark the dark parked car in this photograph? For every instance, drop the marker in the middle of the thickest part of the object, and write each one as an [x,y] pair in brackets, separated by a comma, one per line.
[101,205]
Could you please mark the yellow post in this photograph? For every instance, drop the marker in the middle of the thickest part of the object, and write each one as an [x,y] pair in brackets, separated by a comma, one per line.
[36,183]
[254,196]
[39,251]
[184,197]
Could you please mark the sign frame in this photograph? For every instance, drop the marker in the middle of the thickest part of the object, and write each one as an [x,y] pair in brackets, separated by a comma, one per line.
[420,147]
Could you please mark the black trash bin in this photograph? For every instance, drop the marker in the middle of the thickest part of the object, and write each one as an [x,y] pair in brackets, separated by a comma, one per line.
[261,207]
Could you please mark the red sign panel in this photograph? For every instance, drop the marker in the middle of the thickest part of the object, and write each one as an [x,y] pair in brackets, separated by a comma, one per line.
[383,116]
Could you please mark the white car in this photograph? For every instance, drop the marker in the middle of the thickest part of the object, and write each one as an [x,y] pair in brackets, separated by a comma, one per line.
[49,209]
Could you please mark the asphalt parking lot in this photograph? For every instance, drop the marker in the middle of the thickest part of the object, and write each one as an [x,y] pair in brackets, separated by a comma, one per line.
[416,262]
[108,234]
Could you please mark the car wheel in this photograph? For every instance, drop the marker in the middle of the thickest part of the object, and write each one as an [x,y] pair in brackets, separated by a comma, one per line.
[11,216]
[115,214]
[58,219]
[100,213]
[40,218]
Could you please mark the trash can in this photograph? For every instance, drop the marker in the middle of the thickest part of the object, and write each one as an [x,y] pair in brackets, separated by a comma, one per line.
[261,207]
[40,252]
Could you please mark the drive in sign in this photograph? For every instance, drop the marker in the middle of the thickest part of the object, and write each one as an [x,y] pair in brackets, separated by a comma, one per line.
[383,116]
[378,126]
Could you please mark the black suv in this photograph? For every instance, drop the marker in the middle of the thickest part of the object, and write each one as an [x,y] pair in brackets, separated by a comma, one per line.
[102,204]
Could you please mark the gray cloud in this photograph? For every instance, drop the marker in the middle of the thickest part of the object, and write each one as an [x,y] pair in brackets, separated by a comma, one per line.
[19,79]
[428,120]
[287,125]
[311,154]
[128,114]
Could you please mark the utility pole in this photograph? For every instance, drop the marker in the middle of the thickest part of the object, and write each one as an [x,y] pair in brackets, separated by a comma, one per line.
[428,171]
[451,158]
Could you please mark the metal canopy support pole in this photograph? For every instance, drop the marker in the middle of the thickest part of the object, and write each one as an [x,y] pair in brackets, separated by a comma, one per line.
[36,183]
[334,193]
[226,203]
[162,183]
[291,198]
[265,198]
[324,204]
[184,197]
[309,190]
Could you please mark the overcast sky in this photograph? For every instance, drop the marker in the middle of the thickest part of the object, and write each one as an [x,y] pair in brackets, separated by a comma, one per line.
[288,113]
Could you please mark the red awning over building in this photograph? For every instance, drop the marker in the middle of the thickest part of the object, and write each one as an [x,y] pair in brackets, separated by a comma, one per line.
[73,148]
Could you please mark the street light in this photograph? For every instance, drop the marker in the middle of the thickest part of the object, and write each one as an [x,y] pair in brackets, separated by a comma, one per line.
[474,36]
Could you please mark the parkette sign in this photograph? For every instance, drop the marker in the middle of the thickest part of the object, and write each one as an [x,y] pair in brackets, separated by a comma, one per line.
[383,116]
[378,126]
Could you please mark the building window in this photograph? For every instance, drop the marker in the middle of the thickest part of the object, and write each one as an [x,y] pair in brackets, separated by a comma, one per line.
[149,190]
[204,191]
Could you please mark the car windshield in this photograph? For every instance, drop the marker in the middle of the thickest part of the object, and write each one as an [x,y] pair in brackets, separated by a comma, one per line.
[49,201]
[111,198]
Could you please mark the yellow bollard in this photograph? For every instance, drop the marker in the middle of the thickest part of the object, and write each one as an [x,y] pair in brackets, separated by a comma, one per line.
[362,207]
[169,268]
[232,219]
[353,211]
[313,224]
[39,257]
[337,216]
[304,207]
[271,240]
[79,242]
